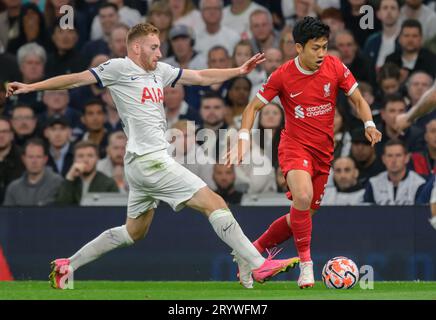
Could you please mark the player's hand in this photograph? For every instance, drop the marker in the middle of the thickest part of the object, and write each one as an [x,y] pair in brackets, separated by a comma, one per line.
[373,135]
[75,171]
[237,152]
[17,88]
[251,63]
[401,123]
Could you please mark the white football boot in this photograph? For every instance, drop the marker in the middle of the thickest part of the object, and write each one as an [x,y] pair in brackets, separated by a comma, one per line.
[244,271]
[306,278]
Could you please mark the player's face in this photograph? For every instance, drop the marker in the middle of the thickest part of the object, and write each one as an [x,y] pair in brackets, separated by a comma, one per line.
[150,51]
[88,156]
[391,111]
[395,158]
[345,173]
[34,159]
[313,53]
[58,135]
[430,135]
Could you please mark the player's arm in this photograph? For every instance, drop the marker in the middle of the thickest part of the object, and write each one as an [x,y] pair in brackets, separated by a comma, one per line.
[68,81]
[364,112]
[234,156]
[208,77]
[426,104]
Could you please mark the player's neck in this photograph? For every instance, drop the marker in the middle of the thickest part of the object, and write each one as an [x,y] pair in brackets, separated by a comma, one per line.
[302,65]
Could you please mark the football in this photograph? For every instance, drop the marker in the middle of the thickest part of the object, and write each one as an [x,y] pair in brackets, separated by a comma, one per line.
[340,273]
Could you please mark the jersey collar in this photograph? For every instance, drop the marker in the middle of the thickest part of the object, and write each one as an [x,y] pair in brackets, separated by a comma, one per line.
[300,68]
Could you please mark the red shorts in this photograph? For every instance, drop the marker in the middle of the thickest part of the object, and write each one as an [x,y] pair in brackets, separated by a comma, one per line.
[294,156]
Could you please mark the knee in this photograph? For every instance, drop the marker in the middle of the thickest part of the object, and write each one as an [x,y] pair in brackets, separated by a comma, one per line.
[137,234]
[302,200]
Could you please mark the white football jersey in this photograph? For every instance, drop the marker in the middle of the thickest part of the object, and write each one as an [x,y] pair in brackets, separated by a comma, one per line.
[138,96]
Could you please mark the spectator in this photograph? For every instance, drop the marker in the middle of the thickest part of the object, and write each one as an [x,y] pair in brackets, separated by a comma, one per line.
[333,18]
[346,191]
[224,179]
[57,103]
[176,108]
[160,16]
[64,59]
[287,44]
[60,150]
[397,185]
[383,43]
[214,32]
[78,96]
[212,110]
[185,13]
[113,122]
[412,56]
[244,51]
[31,61]
[23,123]
[39,185]
[418,83]
[236,16]
[11,165]
[299,10]
[182,43]
[389,80]
[9,22]
[188,153]
[413,136]
[365,157]
[31,28]
[10,70]
[127,16]
[352,58]
[93,119]
[264,36]
[417,10]
[118,41]
[237,99]
[424,162]
[109,18]
[83,176]
[113,165]
[432,220]
[273,60]
[271,123]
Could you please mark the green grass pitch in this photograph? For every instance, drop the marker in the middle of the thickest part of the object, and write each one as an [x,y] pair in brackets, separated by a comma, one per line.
[274,290]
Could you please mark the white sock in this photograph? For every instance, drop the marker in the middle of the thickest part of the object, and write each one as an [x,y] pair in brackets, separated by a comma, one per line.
[105,242]
[228,229]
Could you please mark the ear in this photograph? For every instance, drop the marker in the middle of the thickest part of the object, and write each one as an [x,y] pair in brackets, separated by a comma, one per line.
[299,48]
[356,173]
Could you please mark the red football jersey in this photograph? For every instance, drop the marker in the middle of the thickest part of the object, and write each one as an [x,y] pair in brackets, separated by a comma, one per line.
[309,101]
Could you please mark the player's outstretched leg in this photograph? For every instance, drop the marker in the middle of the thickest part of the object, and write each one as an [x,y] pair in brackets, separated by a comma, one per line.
[125,235]
[300,184]
[228,229]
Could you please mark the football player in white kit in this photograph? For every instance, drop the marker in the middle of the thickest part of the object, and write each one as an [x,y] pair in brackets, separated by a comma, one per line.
[136,84]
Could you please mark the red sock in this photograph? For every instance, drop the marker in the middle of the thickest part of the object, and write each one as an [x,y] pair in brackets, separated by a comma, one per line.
[278,232]
[301,224]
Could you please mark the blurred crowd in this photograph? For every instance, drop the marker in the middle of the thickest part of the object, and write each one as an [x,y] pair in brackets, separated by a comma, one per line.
[57,146]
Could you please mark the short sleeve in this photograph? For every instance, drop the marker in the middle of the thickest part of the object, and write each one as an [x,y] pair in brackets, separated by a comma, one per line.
[270,88]
[347,82]
[170,74]
[108,72]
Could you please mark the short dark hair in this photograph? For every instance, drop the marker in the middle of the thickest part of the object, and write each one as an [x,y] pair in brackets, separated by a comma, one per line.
[93,102]
[86,144]
[36,142]
[218,47]
[310,28]
[108,5]
[210,95]
[396,142]
[387,71]
[395,97]
[411,23]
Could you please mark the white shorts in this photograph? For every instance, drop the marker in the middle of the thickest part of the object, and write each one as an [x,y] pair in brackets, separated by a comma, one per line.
[157,176]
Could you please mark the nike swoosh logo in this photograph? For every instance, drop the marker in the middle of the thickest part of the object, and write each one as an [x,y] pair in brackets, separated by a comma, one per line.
[133,78]
[293,95]
[225,229]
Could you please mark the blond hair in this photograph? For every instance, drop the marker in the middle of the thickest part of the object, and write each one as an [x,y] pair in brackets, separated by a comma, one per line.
[140,30]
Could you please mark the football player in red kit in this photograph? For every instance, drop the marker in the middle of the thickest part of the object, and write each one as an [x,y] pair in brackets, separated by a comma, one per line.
[307,87]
